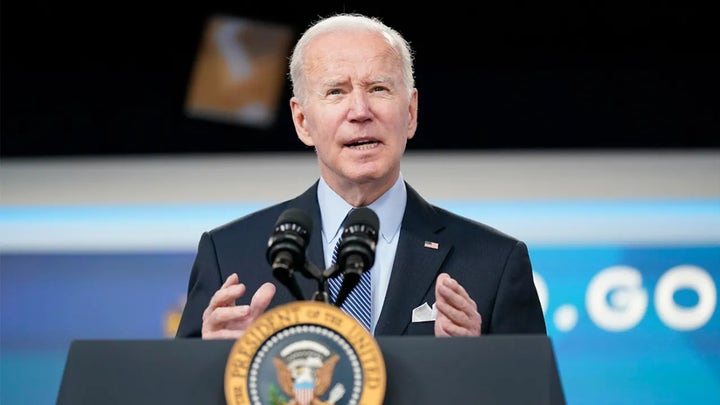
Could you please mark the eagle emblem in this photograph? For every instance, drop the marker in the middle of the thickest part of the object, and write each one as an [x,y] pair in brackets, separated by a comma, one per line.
[305,371]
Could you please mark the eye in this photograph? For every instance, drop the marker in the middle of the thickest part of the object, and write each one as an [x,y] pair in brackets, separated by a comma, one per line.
[334,92]
[376,89]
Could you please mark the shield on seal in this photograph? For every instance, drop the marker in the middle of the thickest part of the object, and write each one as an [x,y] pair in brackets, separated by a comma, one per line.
[304,392]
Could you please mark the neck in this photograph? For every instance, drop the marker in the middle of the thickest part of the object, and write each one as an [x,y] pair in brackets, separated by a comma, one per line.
[364,193]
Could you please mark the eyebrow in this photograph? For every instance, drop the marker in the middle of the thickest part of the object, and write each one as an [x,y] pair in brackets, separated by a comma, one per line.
[382,79]
[340,82]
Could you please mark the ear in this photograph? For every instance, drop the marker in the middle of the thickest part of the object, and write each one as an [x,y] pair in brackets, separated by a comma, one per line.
[413,114]
[298,117]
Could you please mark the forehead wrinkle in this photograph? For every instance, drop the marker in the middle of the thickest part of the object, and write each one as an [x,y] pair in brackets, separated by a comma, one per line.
[365,74]
[387,60]
[382,79]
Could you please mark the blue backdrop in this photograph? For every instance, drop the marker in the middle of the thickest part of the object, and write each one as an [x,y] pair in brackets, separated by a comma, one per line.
[629,288]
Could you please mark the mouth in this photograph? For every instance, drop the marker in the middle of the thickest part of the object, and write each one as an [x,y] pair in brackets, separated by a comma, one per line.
[363,144]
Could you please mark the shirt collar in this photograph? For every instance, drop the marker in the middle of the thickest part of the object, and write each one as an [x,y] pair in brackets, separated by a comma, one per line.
[389,208]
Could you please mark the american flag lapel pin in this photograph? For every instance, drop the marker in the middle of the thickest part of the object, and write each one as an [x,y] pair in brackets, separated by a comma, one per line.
[431,245]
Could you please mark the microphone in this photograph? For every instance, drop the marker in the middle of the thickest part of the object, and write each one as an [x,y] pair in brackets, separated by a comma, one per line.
[356,253]
[286,248]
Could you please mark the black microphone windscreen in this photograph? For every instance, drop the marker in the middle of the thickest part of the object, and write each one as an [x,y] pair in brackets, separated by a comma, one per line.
[295,216]
[356,251]
[365,216]
[286,247]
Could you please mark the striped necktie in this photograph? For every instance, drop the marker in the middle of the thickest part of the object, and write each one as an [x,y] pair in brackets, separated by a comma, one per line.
[359,302]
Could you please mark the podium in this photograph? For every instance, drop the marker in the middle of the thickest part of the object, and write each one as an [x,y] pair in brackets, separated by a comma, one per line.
[493,369]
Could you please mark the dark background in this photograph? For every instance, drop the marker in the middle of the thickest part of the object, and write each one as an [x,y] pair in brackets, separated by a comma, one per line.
[110,78]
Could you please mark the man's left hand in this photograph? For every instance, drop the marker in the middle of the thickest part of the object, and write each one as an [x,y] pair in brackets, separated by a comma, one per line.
[457,313]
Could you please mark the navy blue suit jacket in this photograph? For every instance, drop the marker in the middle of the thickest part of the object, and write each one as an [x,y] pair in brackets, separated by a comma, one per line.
[493,267]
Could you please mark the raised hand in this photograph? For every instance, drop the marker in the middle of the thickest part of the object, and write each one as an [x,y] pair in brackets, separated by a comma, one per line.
[457,313]
[223,319]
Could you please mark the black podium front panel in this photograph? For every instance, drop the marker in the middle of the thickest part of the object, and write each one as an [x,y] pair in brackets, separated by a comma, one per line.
[500,369]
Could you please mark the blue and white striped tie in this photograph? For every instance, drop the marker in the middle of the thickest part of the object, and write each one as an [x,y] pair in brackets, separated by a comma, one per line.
[359,302]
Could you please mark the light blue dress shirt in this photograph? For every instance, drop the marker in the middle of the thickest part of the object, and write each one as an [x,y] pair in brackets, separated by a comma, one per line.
[390,208]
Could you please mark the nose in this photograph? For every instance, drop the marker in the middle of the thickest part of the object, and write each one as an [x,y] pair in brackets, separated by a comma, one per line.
[359,106]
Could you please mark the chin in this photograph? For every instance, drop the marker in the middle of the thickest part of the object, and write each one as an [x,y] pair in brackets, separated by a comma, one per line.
[367,176]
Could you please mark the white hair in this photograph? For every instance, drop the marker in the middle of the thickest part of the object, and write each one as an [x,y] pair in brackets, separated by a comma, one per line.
[349,22]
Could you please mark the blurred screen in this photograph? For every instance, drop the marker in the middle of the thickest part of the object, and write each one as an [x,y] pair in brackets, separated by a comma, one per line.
[239,71]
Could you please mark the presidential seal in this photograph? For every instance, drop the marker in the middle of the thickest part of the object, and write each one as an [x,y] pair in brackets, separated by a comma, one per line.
[305,353]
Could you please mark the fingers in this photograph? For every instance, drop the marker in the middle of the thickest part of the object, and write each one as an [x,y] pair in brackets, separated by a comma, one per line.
[222,308]
[261,299]
[232,279]
[457,313]
[223,319]
[227,314]
[455,295]
[219,324]
[228,293]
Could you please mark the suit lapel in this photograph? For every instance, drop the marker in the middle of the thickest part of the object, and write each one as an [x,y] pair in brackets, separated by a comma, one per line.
[416,265]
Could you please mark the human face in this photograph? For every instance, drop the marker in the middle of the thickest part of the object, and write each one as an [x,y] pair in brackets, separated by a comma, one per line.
[357,112]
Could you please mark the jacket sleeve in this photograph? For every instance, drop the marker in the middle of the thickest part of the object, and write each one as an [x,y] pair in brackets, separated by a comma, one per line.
[204,280]
[517,308]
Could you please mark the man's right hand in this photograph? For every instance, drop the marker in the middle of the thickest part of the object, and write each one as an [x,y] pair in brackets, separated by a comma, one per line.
[223,319]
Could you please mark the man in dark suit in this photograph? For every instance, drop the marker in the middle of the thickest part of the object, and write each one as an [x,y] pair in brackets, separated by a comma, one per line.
[354,101]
